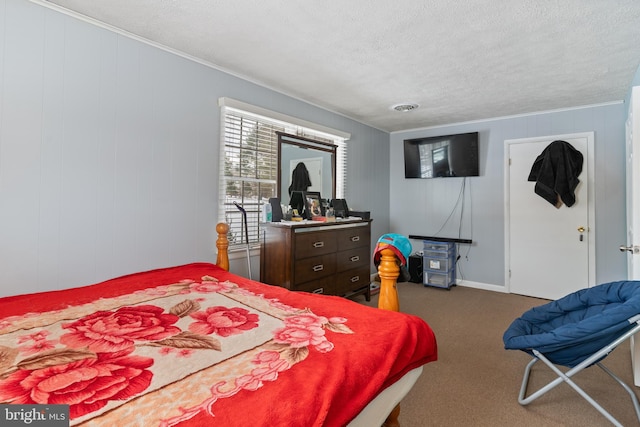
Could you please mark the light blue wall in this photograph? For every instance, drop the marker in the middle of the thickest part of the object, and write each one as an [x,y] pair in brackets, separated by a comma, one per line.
[421,207]
[109,152]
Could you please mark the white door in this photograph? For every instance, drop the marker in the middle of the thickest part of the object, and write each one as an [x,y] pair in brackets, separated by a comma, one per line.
[632,246]
[549,250]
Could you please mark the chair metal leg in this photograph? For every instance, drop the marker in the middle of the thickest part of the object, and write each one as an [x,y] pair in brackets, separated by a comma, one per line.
[525,382]
[629,390]
[562,377]
[594,359]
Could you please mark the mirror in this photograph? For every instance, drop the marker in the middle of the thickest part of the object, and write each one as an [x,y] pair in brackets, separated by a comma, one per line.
[305,165]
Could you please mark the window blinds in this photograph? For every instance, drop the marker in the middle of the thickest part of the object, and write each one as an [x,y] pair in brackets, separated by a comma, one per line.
[249,162]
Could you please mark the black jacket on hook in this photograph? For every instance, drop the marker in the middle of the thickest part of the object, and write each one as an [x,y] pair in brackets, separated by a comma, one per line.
[300,180]
[555,172]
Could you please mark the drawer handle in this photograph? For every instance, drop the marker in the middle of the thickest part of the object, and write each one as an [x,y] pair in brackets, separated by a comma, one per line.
[355,239]
[318,244]
[354,279]
[355,258]
[318,267]
[318,291]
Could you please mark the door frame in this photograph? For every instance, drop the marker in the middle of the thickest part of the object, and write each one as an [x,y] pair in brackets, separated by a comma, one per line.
[591,211]
[632,164]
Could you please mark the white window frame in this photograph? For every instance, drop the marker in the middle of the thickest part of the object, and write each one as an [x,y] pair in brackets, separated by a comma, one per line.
[227,212]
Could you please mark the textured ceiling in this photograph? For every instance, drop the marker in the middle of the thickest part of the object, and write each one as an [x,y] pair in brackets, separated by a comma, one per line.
[459,60]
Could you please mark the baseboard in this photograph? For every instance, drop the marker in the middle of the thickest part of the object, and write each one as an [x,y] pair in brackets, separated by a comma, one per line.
[374,288]
[480,285]
[470,284]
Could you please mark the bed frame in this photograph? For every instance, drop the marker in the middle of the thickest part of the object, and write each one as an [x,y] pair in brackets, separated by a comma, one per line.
[388,270]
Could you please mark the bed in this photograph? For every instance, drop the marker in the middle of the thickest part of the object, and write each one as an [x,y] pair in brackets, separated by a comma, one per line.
[195,345]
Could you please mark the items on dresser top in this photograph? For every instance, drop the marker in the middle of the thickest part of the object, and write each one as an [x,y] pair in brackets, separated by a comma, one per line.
[308,205]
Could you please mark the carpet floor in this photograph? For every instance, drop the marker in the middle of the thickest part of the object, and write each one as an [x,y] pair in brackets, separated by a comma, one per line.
[476,382]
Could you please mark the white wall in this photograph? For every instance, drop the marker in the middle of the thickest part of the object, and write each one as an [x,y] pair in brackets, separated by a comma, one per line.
[421,207]
[109,152]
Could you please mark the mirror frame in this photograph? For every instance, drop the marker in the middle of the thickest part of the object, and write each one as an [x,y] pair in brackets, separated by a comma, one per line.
[307,144]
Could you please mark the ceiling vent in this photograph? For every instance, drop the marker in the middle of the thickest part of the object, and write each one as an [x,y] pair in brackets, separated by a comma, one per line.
[403,108]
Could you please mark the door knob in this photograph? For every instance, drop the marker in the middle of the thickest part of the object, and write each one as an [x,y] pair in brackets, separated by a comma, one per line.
[581,229]
[632,249]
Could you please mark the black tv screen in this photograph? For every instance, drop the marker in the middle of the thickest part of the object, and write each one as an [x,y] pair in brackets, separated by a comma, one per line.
[443,156]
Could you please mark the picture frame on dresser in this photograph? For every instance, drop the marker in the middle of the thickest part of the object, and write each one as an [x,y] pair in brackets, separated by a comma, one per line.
[313,205]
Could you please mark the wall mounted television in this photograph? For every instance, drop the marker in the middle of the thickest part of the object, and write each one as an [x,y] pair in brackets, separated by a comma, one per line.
[445,156]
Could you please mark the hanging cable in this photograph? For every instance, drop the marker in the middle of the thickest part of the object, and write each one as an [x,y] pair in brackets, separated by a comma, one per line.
[463,191]
[466,255]
[454,209]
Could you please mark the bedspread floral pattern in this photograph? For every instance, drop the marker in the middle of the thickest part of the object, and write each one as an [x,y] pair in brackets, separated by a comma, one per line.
[86,384]
[223,321]
[106,331]
[97,360]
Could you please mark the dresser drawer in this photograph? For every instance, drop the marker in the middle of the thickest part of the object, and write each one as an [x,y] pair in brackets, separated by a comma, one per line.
[325,286]
[353,237]
[351,280]
[314,268]
[312,244]
[353,258]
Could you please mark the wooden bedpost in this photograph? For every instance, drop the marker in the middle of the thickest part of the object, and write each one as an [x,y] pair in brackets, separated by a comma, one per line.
[389,271]
[222,244]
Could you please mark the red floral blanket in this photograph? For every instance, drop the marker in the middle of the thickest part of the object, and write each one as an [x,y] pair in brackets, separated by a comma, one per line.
[196,345]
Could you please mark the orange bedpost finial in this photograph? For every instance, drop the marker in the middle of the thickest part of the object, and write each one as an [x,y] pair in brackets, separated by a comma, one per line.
[389,271]
[223,246]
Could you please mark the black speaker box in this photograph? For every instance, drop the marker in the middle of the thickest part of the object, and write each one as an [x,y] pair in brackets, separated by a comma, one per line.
[415,268]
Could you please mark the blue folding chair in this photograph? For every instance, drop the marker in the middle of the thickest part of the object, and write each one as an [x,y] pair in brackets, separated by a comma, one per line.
[576,332]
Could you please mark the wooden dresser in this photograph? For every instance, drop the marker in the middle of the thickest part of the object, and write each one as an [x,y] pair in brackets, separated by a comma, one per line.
[326,258]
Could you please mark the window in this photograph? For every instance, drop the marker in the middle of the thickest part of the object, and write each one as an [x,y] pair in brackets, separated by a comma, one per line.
[249,162]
